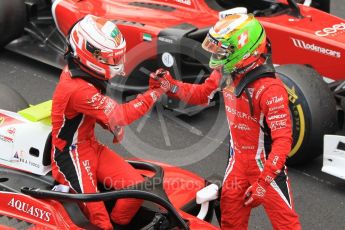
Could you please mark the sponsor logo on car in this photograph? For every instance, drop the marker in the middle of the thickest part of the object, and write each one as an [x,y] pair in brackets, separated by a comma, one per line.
[6,139]
[18,156]
[6,120]
[11,131]
[315,48]
[28,162]
[333,30]
[30,209]
[9,135]
[167,40]
[15,157]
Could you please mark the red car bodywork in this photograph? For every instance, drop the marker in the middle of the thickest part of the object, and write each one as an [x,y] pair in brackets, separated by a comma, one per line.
[180,186]
[317,38]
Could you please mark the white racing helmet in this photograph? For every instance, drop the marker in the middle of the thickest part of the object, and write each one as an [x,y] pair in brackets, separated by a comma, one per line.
[98,45]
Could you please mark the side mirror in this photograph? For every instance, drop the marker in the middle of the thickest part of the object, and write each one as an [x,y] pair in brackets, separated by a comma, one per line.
[204,196]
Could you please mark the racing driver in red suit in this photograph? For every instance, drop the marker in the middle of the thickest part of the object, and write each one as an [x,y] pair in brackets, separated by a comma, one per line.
[96,54]
[257,109]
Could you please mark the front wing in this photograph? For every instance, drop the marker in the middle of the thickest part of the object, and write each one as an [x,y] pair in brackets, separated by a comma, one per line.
[334,155]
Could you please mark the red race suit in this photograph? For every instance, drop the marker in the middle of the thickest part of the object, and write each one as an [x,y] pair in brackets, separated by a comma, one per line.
[261,138]
[78,159]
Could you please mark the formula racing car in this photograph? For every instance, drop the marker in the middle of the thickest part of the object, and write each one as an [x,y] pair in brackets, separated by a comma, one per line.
[169,34]
[30,198]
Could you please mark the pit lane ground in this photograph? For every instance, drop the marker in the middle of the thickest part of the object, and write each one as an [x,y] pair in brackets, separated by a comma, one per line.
[196,143]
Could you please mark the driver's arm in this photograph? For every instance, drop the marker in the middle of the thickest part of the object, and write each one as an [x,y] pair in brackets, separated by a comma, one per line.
[89,101]
[198,94]
[274,104]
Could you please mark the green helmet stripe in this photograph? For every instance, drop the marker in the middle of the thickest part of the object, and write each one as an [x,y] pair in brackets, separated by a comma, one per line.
[259,40]
[245,38]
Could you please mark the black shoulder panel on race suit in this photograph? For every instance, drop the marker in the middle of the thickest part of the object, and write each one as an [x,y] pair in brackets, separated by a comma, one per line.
[265,70]
[77,72]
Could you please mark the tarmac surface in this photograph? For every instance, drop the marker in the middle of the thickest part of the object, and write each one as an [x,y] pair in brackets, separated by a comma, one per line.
[198,143]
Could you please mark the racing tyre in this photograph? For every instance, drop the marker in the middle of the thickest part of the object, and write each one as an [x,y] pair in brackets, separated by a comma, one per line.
[313,111]
[11,100]
[12,20]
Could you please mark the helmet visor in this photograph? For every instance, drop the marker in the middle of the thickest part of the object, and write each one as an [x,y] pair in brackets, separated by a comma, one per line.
[212,45]
[112,60]
[108,58]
